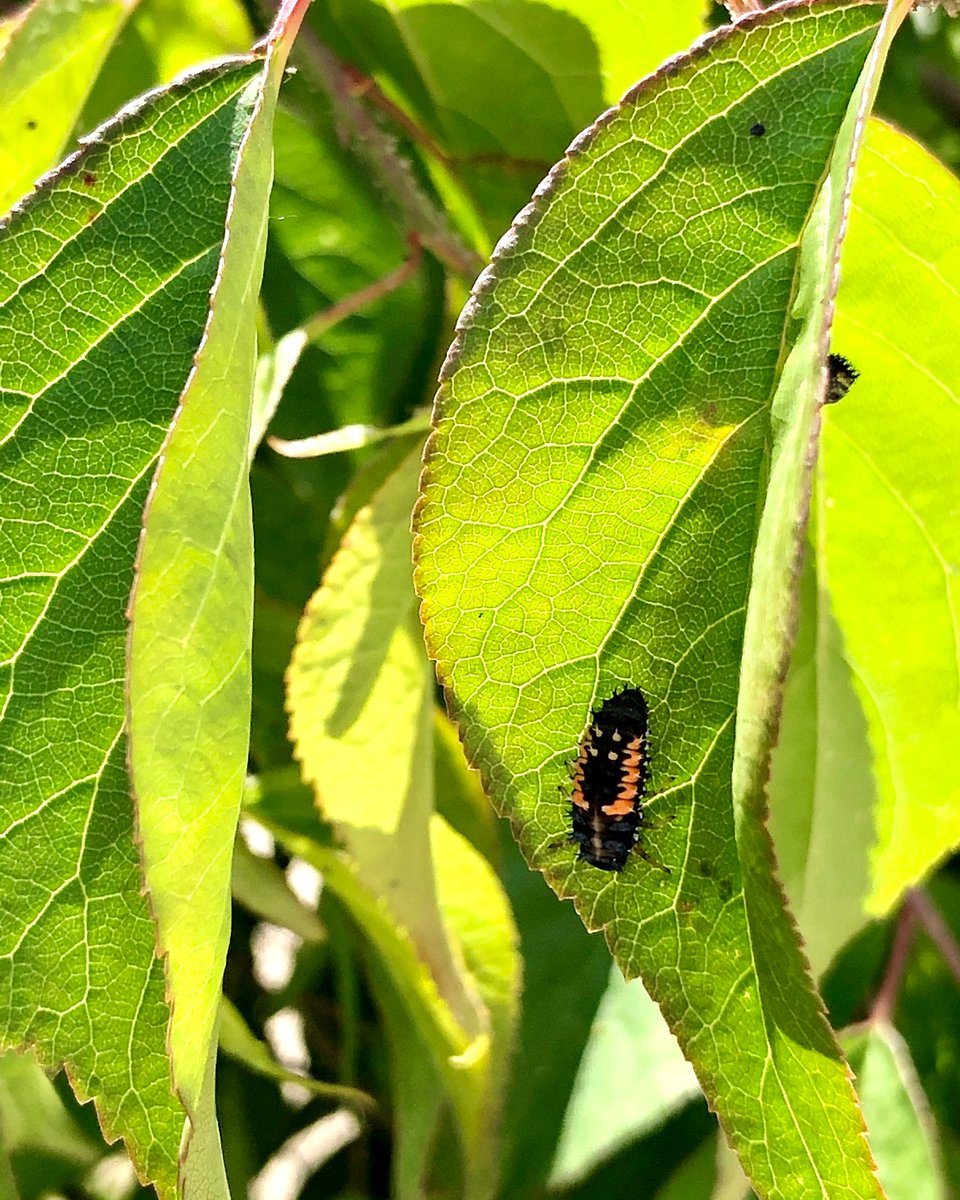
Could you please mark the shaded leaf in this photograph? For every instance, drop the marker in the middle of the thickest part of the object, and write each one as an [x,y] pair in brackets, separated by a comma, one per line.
[565,972]
[493,82]
[629,1040]
[237,1040]
[261,887]
[161,39]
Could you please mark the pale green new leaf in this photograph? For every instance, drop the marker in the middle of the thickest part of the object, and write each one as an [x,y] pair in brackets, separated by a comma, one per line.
[629,1040]
[47,68]
[190,627]
[865,791]
[106,274]
[361,708]
[903,1133]
[642,358]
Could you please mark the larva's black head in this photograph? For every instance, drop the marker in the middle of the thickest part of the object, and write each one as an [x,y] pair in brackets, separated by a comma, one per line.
[841,376]
[627,707]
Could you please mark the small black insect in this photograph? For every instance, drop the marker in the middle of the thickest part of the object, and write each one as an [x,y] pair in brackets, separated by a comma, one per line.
[609,778]
[758,130]
[841,376]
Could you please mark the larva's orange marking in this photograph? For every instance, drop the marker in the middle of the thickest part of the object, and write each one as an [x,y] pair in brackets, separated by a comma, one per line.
[609,778]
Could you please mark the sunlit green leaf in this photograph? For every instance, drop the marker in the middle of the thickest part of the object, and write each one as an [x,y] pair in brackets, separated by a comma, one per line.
[866,781]
[361,706]
[47,68]
[190,628]
[638,366]
[137,222]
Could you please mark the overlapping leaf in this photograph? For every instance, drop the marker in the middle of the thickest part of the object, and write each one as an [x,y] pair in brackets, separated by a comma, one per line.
[190,628]
[361,703]
[493,83]
[105,282]
[604,437]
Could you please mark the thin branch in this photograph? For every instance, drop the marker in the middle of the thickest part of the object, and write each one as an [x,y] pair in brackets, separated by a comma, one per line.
[886,998]
[378,149]
[320,322]
[939,932]
[367,89]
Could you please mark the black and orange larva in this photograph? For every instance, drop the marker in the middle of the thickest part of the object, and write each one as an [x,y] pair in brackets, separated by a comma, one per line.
[841,376]
[609,778]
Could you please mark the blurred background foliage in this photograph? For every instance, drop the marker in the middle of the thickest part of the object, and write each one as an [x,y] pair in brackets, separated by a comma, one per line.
[472,103]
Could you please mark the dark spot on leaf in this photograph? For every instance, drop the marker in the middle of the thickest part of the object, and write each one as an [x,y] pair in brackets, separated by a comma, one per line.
[31,124]
[725,889]
[758,130]
[88,178]
[706,869]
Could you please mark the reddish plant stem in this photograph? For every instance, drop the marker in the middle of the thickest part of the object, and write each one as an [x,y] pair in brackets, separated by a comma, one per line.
[939,932]
[378,149]
[918,912]
[367,88]
[886,999]
[322,321]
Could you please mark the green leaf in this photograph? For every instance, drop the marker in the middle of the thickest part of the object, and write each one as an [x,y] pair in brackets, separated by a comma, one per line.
[821,783]
[358,694]
[75,408]
[237,1040]
[331,237]
[34,1120]
[161,39]
[694,1178]
[927,1014]
[460,799]
[496,78]
[565,973]
[361,720]
[493,82]
[47,69]
[261,887]
[417,1090]
[865,791]
[190,626]
[629,1040]
[477,916]
[637,368]
[903,1135]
